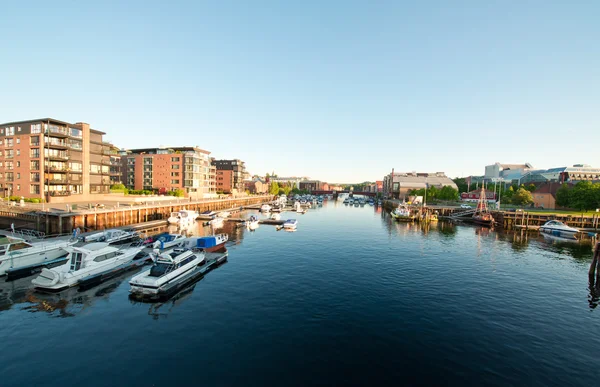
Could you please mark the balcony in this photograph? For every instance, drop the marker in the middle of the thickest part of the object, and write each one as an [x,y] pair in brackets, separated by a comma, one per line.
[35,180]
[57,181]
[57,132]
[56,145]
[76,171]
[56,157]
[107,162]
[56,169]
[60,193]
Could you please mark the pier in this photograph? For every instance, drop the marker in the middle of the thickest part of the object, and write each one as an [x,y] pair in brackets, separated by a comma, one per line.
[57,222]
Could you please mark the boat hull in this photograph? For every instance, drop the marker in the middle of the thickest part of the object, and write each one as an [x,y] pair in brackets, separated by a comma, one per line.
[567,234]
[32,260]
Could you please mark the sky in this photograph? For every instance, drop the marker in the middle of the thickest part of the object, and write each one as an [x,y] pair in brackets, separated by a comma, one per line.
[341,91]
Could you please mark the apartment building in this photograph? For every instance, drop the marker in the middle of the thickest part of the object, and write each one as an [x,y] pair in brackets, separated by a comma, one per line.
[230,175]
[53,160]
[168,169]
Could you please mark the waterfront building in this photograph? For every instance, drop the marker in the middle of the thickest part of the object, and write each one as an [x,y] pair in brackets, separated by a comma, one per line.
[54,160]
[230,175]
[398,185]
[474,195]
[293,180]
[313,185]
[257,186]
[578,172]
[506,171]
[169,169]
[545,195]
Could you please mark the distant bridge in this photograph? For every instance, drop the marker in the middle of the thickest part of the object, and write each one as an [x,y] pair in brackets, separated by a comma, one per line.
[343,192]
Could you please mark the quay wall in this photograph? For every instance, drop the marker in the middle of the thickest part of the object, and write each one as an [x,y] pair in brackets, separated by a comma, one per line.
[61,222]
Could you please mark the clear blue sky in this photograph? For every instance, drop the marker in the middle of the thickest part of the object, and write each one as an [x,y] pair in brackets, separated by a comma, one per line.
[340,91]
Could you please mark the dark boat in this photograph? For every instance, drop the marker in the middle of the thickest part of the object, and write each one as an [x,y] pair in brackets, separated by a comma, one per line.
[482,214]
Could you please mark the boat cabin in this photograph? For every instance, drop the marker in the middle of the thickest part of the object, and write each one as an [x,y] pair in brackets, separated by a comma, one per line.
[168,262]
[12,244]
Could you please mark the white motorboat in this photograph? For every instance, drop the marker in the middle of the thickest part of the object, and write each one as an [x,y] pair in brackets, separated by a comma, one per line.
[290,224]
[252,222]
[559,229]
[265,208]
[90,264]
[276,216]
[20,255]
[225,214]
[170,270]
[112,236]
[207,243]
[166,240]
[183,218]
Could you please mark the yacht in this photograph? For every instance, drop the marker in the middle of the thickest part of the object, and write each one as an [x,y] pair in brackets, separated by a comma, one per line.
[402,214]
[559,229]
[217,222]
[112,236]
[265,208]
[252,222]
[170,271]
[91,263]
[166,240]
[224,214]
[19,255]
[275,216]
[290,224]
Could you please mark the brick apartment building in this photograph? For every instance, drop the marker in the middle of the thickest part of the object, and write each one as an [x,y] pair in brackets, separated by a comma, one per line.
[52,159]
[168,169]
[313,185]
[230,175]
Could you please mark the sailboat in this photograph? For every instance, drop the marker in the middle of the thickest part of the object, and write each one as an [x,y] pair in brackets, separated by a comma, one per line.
[482,214]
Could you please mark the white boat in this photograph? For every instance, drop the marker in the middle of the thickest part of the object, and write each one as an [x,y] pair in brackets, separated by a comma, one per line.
[265,208]
[252,222]
[183,218]
[290,224]
[112,236]
[275,216]
[18,254]
[206,243]
[217,222]
[166,240]
[224,214]
[559,229]
[90,264]
[169,271]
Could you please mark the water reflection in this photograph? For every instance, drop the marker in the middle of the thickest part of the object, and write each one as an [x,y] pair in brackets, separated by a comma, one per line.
[66,303]
[594,292]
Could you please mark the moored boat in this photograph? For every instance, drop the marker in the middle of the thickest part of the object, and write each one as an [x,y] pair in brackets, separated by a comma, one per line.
[402,214]
[166,240]
[183,218]
[290,224]
[559,229]
[90,264]
[265,208]
[112,236]
[275,216]
[482,214]
[173,271]
[20,257]
[252,223]
[207,243]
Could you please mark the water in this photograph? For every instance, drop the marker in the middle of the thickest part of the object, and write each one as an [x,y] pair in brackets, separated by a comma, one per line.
[349,298]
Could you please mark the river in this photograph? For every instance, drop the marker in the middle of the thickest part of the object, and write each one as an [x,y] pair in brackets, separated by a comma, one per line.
[350,298]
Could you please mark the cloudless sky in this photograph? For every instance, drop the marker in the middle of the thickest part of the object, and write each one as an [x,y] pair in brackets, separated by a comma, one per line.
[341,91]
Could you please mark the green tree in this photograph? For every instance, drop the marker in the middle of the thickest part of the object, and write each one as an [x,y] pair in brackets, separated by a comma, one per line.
[281,191]
[287,189]
[461,183]
[563,196]
[583,196]
[522,197]
[274,189]
[448,193]
[531,187]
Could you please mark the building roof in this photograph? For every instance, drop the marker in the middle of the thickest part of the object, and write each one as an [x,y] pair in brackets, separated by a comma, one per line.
[47,119]
[176,149]
[548,188]
[515,166]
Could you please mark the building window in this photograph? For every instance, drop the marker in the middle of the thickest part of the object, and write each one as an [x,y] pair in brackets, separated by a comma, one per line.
[9,142]
[36,128]
[34,140]
[18,139]
[75,132]
[34,177]
[18,174]
[18,187]
[34,165]
[10,131]
[34,189]
[18,152]
[175,166]
[174,174]
[34,153]
[174,181]
[18,129]
[10,154]
[175,159]
[18,162]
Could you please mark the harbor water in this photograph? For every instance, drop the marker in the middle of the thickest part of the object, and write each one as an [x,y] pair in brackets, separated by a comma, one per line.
[350,298]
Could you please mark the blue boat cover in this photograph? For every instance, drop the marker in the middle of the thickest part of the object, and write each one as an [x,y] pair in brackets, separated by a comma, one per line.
[206,242]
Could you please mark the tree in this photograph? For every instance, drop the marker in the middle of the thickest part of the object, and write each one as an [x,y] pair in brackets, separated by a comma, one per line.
[274,189]
[461,183]
[287,189]
[563,196]
[531,187]
[522,197]
[448,193]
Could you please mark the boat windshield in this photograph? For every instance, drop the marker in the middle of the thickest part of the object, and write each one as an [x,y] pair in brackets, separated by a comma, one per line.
[160,269]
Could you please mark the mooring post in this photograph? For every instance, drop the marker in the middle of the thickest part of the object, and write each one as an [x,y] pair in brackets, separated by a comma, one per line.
[595,260]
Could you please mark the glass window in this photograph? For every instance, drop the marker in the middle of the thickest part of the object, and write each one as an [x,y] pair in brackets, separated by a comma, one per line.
[36,128]
[75,261]
[160,269]
[19,246]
